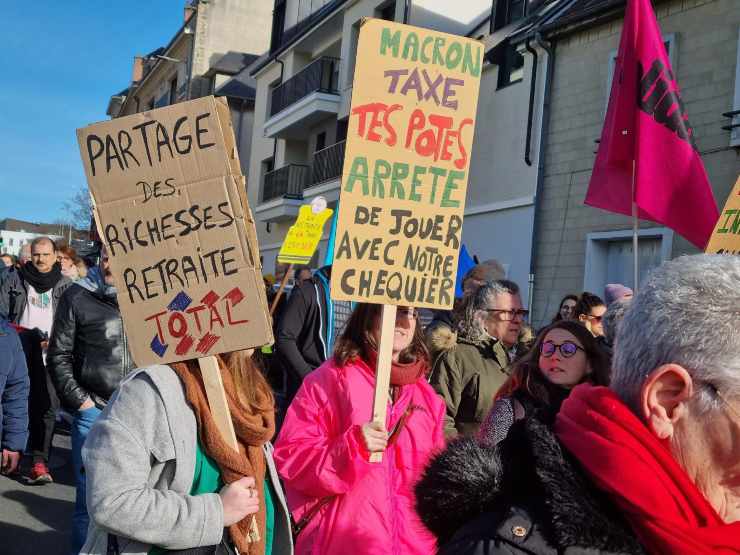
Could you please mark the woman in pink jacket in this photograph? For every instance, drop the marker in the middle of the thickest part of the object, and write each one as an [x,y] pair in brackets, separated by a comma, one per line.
[341,502]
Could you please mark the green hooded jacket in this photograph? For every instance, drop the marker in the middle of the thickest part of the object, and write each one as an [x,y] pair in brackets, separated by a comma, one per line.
[467,375]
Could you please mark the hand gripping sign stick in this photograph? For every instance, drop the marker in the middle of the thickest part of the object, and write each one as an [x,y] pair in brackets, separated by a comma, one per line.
[220,410]
[383,370]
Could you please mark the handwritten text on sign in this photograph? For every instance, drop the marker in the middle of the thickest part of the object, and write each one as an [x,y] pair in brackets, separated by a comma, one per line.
[406,166]
[726,236]
[170,206]
[304,235]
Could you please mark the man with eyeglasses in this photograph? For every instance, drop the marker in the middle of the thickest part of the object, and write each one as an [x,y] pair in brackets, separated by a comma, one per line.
[473,366]
[441,328]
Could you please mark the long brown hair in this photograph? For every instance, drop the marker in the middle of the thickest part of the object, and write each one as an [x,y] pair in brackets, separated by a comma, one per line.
[357,338]
[252,389]
[526,375]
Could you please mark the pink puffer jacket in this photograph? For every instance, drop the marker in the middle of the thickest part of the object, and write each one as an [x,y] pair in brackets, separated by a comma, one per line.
[320,454]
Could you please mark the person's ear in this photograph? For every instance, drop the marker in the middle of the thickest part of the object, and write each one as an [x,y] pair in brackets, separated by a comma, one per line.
[664,398]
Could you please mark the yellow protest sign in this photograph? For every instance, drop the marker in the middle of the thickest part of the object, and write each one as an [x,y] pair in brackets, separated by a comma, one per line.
[726,236]
[304,235]
[406,166]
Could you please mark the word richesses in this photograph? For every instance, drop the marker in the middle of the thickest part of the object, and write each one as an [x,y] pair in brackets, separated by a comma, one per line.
[124,238]
[147,140]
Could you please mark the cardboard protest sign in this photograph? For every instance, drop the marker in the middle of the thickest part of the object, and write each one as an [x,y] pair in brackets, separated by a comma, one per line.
[406,166]
[304,235]
[170,204]
[726,236]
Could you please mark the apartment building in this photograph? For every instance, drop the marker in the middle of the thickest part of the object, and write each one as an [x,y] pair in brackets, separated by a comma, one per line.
[206,55]
[303,97]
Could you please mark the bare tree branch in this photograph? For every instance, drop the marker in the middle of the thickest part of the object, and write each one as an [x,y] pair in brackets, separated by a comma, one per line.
[78,208]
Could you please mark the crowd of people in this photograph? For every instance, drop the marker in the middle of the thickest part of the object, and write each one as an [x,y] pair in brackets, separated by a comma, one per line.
[613,429]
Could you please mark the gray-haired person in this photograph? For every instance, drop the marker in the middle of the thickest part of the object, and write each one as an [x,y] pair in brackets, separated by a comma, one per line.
[657,453]
[442,325]
[473,362]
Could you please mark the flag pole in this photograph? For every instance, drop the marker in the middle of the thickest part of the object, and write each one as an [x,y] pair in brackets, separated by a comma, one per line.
[635,231]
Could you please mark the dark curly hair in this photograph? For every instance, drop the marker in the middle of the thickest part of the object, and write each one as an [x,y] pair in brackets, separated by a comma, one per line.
[586,302]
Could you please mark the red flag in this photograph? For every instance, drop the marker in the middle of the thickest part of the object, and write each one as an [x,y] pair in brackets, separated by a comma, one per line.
[646,122]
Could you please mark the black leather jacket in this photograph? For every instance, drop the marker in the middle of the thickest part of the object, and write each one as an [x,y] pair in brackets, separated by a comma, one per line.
[88,353]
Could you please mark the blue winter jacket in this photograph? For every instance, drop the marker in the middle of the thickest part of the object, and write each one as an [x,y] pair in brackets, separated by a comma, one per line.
[14,389]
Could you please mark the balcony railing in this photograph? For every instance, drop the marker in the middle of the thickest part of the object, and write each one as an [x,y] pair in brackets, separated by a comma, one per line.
[327,163]
[288,181]
[321,75]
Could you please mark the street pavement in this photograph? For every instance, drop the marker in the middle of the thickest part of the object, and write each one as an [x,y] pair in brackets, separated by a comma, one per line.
[38,519]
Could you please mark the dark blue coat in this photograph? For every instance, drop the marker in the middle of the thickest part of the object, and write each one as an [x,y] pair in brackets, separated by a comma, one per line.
[14,388]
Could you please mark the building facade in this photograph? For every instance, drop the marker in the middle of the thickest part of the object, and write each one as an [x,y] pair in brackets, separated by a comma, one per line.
[582,248]
[16,233]
[303,97]
[217,40]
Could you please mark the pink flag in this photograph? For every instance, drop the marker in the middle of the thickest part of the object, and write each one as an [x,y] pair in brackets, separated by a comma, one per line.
[646,122]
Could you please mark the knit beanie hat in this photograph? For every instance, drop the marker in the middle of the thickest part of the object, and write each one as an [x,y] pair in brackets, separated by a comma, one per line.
[615,291]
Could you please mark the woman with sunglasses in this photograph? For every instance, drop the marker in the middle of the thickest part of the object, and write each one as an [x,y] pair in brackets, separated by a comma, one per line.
[589,311]
[341,502]
[564,355]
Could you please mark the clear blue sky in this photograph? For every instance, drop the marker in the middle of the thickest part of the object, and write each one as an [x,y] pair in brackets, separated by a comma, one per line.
[60,63]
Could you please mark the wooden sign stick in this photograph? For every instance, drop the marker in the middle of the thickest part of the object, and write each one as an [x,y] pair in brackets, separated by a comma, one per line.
[219,406]
[383,369]
[286,277]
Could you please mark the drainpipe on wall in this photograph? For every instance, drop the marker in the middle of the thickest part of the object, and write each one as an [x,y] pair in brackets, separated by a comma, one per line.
[406,10]
[491,22]
[530,115]
[274,141]
[546,101]
[242,102]
[194,27]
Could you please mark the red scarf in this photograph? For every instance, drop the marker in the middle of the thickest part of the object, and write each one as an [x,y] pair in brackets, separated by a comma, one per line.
[665,509]
[402,373]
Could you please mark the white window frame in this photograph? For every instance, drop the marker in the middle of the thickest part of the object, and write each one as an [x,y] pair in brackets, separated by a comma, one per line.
[670,38]
[735,132]
[597,247]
